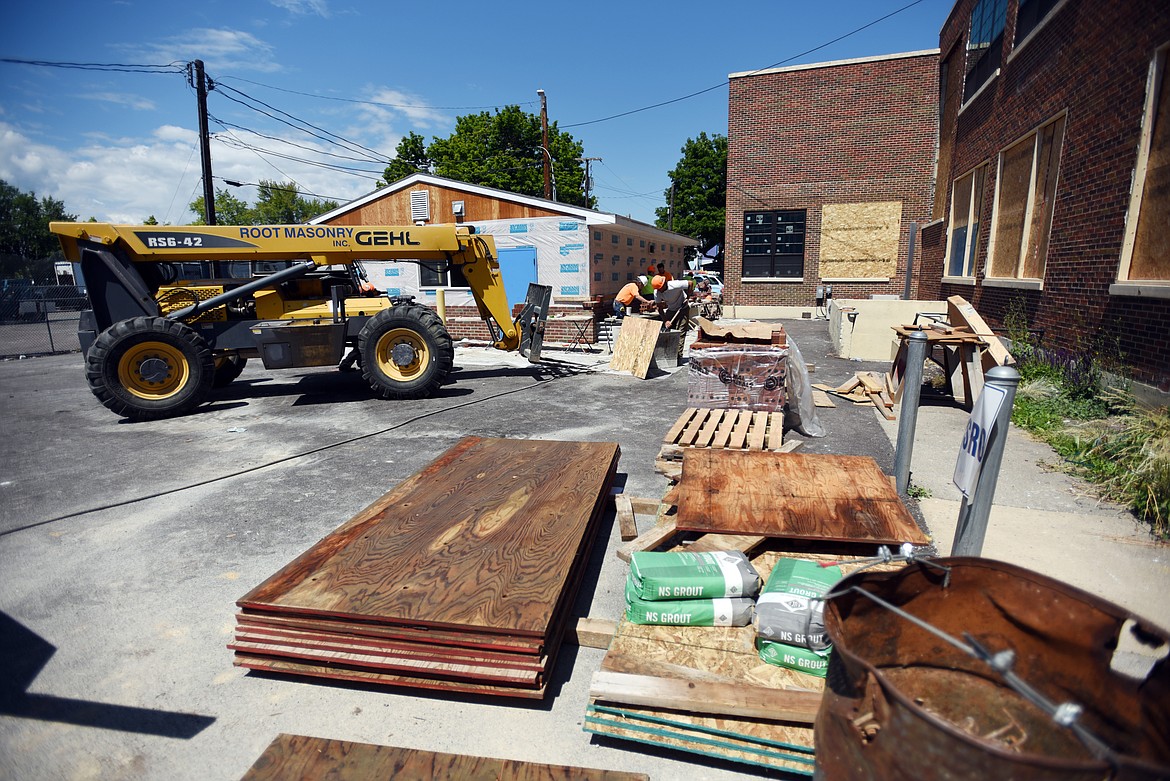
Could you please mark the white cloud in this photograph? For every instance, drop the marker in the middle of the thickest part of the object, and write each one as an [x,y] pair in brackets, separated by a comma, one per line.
[135,102]
[125,180]
[220,49]
[304,7]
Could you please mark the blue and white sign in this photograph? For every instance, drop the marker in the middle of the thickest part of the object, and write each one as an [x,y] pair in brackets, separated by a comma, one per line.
[393,291]
[570,268]
[518,227]
[975,439]
[392,272]
[567,249]
[575,290]
[568,226]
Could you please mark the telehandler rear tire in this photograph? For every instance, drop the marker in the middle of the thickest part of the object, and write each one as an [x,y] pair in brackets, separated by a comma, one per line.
[406,354]
[147,368]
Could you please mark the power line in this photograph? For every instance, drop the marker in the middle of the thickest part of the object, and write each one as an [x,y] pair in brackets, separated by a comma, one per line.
[377,103]
[226,125]
[758,70]
[120,67]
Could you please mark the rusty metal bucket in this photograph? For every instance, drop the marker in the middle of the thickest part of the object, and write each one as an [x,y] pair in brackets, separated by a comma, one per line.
[904,703]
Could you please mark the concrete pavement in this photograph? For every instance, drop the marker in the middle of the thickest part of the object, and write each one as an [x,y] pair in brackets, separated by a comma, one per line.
[123,548]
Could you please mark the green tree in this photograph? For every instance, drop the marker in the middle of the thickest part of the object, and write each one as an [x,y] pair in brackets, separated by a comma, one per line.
[27,248]
[280,203]
[699,181]
[410,157]
[501,150]
[151,220]
[229,210]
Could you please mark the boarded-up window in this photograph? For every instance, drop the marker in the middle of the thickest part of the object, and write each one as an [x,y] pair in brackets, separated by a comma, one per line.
[1025,192]
[966,206]
[1150,257]
[860,240]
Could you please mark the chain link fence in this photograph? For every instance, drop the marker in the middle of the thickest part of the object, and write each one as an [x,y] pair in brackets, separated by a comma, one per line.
[39,320]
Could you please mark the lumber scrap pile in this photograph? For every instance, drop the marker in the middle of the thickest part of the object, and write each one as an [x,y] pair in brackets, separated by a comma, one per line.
[864,388]
[298,756]
[705,690]
[460,579]
[720,429]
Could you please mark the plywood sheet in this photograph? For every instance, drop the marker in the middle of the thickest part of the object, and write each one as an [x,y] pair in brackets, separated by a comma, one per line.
[480,540]
[634,350]
[860,240]
[297,756]
[791,495]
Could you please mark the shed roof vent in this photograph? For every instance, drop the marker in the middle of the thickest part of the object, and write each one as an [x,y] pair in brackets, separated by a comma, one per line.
[420,205]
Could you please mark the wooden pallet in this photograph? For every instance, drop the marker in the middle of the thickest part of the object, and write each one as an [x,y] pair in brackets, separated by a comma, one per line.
[733,429]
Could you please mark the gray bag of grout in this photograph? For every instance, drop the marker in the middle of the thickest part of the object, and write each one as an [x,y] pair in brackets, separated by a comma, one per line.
[790,609]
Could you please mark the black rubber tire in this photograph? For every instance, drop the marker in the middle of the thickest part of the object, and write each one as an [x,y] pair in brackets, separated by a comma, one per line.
[427,338]
[177,380]
[433,317]
[228,366]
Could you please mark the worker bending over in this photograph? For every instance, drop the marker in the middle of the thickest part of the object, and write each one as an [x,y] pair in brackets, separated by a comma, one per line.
[673,298]
[628,295]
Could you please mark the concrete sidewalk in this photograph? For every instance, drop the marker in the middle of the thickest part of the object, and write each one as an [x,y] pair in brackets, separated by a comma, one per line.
[1042,519]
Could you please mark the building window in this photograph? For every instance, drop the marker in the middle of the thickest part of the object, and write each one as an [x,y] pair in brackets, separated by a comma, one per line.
[433,275]
[966,206]
[773,244]
[616,259]
[597,235]
[1145,255]
[629,242]
[1024,191]
[1030,15]
[642,243]
[597,276]
[600,256]
[615,277]
[614,239]
[984,44]
[629,276]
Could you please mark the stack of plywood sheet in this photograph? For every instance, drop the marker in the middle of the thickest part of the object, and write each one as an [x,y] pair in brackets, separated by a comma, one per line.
[461,578]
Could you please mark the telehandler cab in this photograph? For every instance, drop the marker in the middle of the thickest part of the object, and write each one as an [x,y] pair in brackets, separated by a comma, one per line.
[159,334]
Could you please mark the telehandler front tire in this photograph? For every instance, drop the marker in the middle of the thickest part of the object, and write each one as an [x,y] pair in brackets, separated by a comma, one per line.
[147,368]
[406,354]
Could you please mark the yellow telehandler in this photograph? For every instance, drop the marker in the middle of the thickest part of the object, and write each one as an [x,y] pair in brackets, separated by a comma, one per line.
[171,317]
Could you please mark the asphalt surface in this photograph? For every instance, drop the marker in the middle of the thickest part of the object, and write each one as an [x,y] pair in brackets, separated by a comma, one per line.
[124,546]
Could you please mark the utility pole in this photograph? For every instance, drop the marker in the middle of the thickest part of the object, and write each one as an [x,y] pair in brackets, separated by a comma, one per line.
[544,144]
[588,180]
[200,82]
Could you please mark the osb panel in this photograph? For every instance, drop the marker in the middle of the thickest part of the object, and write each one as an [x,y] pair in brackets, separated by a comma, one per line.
[394,208]
[860,240]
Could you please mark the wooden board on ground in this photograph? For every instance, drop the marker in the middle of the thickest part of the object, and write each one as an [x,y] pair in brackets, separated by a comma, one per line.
[297,756]
[634,350]
[479,551]
[792,495]
[821,399]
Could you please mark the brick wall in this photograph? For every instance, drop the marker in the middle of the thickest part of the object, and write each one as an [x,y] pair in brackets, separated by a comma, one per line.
[1089,61]
[464,322]
[847,133]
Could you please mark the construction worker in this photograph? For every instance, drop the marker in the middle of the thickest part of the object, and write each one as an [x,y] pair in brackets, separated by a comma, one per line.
[673,299]
[662,272]
[630,293]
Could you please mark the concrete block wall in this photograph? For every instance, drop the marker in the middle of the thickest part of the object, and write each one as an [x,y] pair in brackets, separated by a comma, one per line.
[838,133]
[1089,61]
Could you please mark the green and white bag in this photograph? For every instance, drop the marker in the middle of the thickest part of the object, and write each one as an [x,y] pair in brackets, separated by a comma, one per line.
[790,609]
[801,659]
[691,612]
[710,575]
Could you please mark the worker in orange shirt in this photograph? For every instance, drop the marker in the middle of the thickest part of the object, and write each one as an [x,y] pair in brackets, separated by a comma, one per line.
[662,272]
[630,293]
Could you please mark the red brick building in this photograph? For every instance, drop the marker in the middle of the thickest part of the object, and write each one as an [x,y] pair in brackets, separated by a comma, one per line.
[1053,196]
[828,168]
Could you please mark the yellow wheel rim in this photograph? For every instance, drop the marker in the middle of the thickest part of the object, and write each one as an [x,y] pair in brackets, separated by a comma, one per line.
[153,370]
[402,338]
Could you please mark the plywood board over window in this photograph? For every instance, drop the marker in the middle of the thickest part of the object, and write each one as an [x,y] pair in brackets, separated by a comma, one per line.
[1148,232]
[860,240]
[1025,193]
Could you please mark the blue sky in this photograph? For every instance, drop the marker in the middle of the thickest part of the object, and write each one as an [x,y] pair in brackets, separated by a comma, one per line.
[121,146]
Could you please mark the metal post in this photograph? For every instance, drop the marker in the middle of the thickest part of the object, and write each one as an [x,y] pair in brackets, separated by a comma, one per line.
[972,525]
[441,304]
[911,393]
[910,260]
